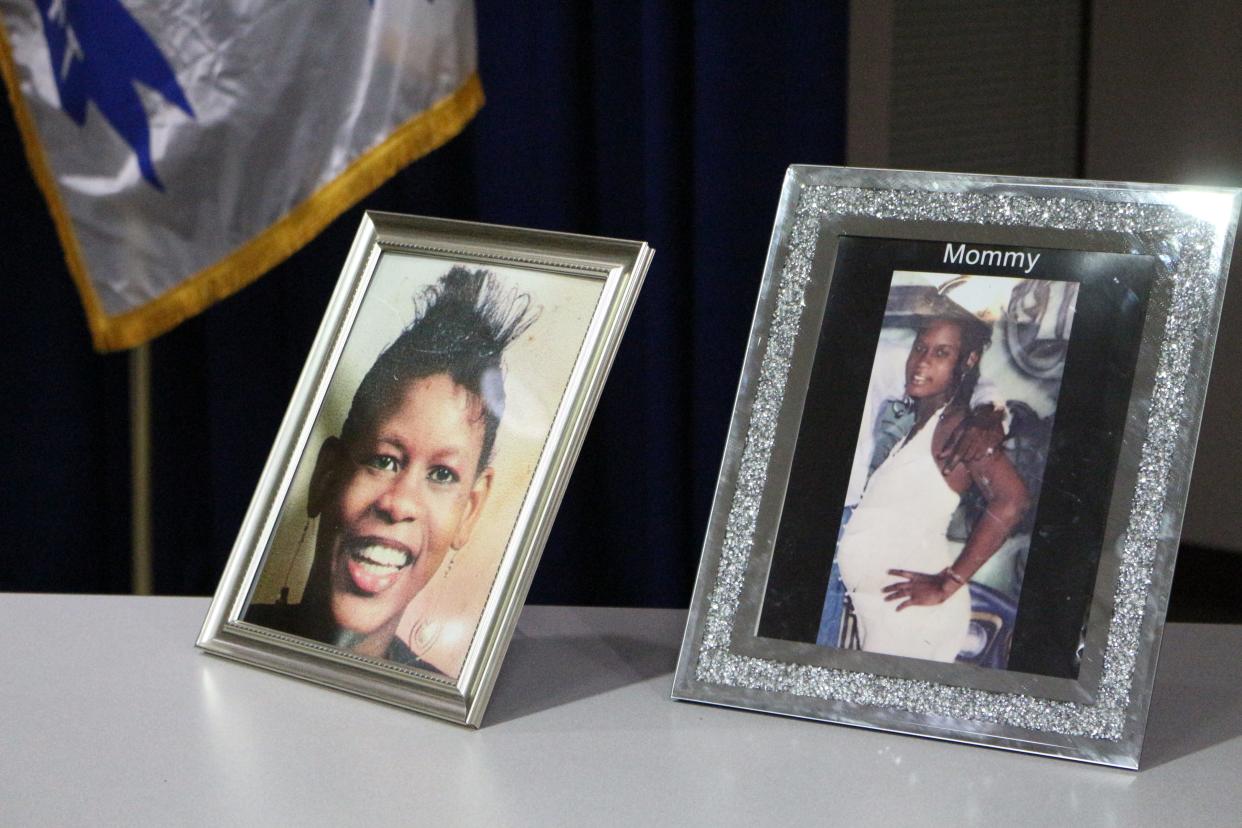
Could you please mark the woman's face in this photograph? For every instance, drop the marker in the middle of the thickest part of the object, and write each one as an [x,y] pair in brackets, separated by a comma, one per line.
[402,495]
[931,367]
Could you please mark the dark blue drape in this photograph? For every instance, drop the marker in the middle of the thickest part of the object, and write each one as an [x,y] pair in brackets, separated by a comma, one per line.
[667,122]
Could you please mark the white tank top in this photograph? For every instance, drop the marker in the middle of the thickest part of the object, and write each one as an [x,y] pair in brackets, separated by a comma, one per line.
[901,519]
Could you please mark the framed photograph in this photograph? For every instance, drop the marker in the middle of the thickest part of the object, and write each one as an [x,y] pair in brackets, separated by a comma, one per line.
[953,486]
[398,522]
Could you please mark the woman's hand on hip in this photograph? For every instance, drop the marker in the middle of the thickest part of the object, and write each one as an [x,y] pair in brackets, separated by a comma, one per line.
[920,589]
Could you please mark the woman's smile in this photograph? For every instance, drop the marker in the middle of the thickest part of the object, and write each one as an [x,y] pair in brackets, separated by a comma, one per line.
[374,565]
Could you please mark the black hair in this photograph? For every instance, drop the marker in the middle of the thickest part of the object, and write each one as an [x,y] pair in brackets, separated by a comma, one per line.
[461,327]
[976,336]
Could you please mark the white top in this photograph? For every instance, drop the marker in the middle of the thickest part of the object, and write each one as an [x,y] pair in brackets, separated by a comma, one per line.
[901,520]
[900,523]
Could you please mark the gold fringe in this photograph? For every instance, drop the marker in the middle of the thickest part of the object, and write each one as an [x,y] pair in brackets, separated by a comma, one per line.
[47,184]
[412,140]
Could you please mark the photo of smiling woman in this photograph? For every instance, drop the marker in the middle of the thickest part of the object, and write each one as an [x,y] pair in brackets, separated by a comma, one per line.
[401,515]
[930,557]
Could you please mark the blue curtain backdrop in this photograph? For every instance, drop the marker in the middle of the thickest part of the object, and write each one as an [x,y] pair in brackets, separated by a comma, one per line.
[667,122]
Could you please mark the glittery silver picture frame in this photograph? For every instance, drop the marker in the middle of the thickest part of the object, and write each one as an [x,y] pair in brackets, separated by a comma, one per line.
[1149,263]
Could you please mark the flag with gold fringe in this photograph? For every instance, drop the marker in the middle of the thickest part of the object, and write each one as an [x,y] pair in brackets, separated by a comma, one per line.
[184,148]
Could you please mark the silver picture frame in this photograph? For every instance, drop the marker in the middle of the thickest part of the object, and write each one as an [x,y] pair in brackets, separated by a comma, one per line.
[564,301]
[1149,265]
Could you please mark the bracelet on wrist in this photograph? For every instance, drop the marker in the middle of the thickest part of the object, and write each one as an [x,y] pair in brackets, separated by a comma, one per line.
[953,576]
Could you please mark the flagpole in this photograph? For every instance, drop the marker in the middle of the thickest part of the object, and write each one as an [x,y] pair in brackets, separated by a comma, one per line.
[141,574]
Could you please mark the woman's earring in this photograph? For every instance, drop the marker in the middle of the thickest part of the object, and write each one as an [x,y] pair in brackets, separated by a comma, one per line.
[283,600]
[423,635]
[425,631]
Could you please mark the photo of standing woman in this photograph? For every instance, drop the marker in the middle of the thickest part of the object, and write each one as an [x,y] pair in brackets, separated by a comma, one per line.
[932,546]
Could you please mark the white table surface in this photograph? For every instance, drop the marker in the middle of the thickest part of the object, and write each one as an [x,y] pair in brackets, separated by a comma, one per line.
[112,716]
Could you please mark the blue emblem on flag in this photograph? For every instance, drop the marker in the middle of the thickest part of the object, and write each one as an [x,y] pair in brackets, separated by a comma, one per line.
[98,52]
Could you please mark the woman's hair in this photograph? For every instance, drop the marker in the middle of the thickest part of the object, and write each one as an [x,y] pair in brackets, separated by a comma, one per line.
[461,327]
[976,337]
